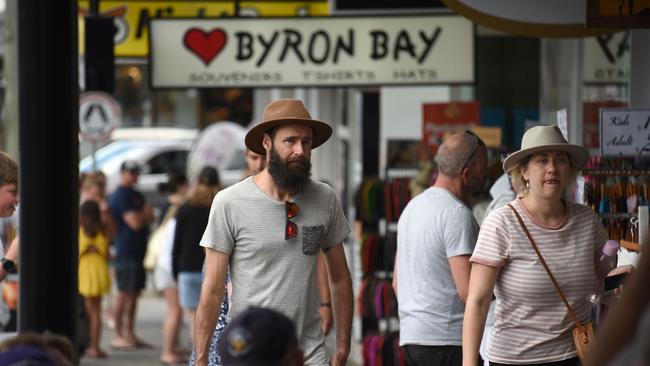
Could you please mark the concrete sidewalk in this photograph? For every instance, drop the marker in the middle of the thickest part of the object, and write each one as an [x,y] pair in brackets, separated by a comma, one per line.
[149,320]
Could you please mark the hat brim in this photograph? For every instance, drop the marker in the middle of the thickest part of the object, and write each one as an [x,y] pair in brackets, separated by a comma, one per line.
[578,155]
[322,132]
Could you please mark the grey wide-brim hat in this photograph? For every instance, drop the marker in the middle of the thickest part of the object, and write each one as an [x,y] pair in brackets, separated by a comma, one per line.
[282,112]
[545,138]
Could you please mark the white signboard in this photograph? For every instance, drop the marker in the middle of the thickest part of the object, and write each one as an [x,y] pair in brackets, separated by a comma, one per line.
[327,51]
[607,58]
[99,115]
[625,132]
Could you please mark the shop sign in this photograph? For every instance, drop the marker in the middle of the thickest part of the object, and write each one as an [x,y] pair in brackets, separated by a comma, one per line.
[591,118]
[132,17]
[624,132]
[607,58]
[440,119]
[336,51]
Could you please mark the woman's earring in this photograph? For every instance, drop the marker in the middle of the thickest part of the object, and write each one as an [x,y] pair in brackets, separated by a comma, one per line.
[527,184]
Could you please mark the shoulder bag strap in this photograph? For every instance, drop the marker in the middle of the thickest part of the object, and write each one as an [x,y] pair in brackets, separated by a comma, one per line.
[548,270]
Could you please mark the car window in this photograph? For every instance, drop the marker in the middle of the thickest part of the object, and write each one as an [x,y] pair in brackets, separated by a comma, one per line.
[167,161]
[105,154]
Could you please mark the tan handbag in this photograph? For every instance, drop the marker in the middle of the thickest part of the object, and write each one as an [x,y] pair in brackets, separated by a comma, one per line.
[583,334]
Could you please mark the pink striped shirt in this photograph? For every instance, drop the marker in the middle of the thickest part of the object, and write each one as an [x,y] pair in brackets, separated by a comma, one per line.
[531,324]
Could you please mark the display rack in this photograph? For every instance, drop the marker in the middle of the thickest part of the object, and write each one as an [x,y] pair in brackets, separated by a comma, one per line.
[618,189]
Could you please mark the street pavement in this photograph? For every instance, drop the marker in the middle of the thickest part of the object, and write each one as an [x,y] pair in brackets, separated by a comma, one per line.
[150,315]
[149,320]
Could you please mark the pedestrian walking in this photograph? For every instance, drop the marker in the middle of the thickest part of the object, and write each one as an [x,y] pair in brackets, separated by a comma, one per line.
[532,325]
[187,256]
[161,243]
[436,234]
[270,228]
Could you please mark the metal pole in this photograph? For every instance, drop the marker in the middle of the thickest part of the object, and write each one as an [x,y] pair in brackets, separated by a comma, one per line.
[94,158]
[49,159]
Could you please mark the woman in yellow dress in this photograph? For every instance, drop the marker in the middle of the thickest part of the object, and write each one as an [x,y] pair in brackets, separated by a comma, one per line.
[94,279]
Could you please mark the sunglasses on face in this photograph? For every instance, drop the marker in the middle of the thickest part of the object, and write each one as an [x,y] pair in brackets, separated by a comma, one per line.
[291,229]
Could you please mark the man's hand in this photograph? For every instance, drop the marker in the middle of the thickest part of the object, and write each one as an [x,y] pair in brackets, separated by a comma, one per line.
[326,318]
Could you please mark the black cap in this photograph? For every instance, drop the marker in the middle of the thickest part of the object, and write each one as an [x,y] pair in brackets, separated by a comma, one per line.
[255,337]
[130,166]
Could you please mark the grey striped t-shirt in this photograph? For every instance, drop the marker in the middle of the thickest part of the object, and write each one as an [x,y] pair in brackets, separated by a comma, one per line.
[268,270]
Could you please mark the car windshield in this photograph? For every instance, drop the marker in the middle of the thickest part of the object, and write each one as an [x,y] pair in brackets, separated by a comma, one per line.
[107,154]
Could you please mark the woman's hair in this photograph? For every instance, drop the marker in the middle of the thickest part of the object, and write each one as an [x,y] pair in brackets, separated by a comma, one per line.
[519,183]
[96,179]
[90,218]
[207,187]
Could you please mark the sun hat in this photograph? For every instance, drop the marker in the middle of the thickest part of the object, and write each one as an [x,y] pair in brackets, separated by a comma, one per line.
[286,111]
[255,337]
[545,138]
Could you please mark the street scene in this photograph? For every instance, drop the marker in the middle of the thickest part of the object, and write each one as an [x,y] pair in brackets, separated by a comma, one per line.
[324,182]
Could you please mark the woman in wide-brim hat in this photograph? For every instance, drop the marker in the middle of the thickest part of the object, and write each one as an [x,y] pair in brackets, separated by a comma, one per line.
[532,325]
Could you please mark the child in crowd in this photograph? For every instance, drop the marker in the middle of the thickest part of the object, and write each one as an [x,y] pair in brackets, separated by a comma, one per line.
[94,279]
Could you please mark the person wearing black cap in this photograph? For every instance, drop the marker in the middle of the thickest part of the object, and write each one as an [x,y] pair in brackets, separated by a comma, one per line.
[269,229]
[132,216]
[260,336]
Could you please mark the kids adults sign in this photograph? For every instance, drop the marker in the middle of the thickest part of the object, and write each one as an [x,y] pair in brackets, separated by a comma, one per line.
[312,51]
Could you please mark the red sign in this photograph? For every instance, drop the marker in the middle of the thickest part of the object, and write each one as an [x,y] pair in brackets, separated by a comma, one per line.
[591,120]
[440,119]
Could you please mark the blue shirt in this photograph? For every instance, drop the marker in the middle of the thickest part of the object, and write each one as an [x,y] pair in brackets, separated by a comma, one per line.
[130,245]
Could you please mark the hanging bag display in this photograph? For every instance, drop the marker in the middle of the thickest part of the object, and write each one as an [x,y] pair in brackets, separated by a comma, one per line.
[583,334]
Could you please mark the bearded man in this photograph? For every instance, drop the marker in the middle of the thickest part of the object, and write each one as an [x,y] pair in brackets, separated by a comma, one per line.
[269,228]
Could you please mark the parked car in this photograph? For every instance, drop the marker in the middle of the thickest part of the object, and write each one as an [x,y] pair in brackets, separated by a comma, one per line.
[158,150]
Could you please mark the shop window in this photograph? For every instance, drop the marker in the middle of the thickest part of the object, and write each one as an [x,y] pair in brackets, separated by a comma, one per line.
[133,94]
[232,104]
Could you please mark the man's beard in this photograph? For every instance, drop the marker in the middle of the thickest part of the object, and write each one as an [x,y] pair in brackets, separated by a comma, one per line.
[291,175]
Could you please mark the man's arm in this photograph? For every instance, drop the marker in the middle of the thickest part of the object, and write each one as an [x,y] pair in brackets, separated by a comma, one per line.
[460,268]
[137,219]
[342,294]
[207,311]
[325,295]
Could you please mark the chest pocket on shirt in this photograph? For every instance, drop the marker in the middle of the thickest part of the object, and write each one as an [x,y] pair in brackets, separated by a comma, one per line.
[312,238]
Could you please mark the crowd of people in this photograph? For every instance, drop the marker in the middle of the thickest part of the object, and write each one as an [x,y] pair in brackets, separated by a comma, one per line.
[259,272]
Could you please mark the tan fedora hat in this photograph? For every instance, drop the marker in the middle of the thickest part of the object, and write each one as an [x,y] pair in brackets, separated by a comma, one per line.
[545,138]
[281,112]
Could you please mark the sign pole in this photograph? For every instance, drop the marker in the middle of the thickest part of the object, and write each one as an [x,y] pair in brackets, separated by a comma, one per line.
[94,159]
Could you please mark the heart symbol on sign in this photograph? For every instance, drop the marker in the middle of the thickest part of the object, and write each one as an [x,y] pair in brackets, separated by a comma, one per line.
[206,45]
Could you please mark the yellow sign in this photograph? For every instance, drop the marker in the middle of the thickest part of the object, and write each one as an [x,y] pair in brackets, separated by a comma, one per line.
[132,17]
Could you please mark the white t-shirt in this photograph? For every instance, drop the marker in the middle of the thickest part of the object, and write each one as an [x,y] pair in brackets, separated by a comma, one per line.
[434,226]
[531,323]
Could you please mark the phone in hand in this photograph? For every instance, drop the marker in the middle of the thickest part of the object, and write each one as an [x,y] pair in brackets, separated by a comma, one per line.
[613,282]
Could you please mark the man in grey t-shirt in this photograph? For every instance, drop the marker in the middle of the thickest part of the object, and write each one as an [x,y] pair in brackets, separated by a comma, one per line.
[269,228]
[436,235]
